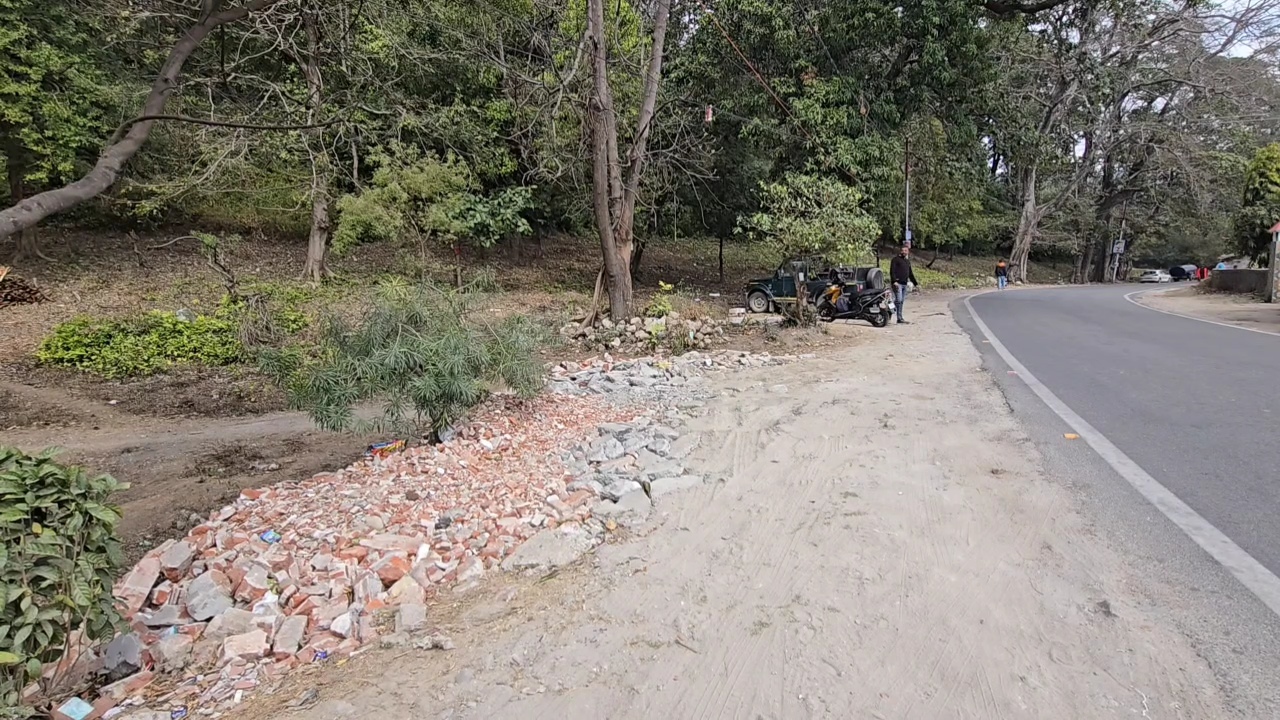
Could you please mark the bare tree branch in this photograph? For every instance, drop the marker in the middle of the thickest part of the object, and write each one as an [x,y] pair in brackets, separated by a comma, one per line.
[31,211]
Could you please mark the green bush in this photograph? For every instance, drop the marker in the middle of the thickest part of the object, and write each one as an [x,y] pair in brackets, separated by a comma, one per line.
[420,351]
[58,558]
[125,348]
[660,304]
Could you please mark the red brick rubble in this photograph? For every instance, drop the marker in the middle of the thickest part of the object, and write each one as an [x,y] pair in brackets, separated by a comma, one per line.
[302,571]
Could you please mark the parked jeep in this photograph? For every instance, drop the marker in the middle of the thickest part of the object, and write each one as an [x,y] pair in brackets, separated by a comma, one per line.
[765,294]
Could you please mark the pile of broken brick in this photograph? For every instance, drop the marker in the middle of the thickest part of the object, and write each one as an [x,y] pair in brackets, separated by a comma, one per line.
[306,571]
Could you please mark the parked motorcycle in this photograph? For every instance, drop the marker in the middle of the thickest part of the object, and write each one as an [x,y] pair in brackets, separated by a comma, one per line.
[846,302]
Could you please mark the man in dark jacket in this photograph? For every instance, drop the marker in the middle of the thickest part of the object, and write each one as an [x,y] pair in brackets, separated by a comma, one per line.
[900,274]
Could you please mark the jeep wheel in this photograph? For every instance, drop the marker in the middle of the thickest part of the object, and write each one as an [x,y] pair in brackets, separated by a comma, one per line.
[758,302]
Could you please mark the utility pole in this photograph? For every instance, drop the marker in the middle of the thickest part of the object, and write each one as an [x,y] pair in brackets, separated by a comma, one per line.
[906,220]
[1118,248]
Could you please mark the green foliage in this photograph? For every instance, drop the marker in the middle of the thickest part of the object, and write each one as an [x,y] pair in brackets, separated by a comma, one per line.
[142,346]
[418,199]
[814,215]
[420,351]
[1260,209]
[52,88]
[58,559]
[660,305]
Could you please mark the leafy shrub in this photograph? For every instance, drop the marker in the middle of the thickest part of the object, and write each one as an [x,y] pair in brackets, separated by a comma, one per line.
[58,557]
[660,304]
[415,198]
[814,215]
[125,348]
[1260,206]
[485,280]
[420,351]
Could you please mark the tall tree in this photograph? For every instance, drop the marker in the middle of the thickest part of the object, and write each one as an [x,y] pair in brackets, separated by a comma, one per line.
[52,95]
[1260,208]
[131,135]
[615,189]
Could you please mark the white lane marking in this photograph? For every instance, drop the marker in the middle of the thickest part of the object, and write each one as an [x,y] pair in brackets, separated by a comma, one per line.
[1260,581]
[1129,297]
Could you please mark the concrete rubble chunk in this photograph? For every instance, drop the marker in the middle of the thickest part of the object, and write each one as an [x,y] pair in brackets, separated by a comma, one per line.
[550,549]
[254,586]
[247,646]
[209,595]
[407,590]
[681,448]
[411,618]
[177,560]
[343,625]
[172,653]
[630,508]
[289,637]
[136,586]
[162,617]
[233,621]
[619,488]
[385,542]
[123,655]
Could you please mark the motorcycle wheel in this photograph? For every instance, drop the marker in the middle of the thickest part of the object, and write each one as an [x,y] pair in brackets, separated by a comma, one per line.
[825,313]
[879,319]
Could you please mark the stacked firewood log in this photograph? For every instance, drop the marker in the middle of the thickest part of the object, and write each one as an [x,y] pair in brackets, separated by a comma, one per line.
[16,291]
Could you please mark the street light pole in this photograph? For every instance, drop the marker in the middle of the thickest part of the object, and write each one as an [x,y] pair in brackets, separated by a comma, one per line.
[906,219]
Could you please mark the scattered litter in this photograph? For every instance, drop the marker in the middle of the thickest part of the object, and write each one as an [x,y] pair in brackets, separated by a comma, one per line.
[384,449]
[270,537]
[1071,436]
[75,709]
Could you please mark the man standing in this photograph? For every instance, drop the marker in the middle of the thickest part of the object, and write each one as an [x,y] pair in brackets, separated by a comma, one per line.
[901,274]
[1002,274]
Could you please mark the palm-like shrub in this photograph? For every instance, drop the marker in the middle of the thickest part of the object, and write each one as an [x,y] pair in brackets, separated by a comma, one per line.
[421,351]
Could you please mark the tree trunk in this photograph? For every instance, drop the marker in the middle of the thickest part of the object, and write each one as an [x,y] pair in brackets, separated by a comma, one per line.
[125,143]
[28,245]
[637,255]
[613,199]
[316,269]
[1028,222]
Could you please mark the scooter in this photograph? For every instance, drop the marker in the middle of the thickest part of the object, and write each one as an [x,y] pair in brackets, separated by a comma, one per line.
[875,305]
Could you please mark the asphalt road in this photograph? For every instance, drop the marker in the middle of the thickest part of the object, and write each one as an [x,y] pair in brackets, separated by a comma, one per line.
[1196,406]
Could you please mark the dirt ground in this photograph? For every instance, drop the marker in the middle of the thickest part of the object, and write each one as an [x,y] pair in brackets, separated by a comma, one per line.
[176,467]
[1246,311]
[187,440]
[877,541]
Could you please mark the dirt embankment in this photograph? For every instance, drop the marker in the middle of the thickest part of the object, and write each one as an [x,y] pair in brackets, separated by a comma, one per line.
[1247,311]
[877,541]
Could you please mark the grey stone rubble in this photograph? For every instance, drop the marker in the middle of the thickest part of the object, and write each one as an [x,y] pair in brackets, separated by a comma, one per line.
[672,330]
[666,382]
[651,448]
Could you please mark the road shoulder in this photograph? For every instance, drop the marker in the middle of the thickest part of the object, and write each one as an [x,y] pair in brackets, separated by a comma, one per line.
[1181,585]
[877,536]
[1233,309]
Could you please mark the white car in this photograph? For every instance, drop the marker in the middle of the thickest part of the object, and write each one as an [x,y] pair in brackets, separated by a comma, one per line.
[1155,276]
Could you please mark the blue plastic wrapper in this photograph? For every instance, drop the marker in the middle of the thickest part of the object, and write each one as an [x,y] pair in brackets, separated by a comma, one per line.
[270,537]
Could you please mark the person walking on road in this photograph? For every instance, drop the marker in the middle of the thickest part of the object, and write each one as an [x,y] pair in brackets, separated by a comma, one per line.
[902,277]
[1002,274]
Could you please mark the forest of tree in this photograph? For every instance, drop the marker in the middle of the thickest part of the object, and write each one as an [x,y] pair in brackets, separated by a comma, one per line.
[1028,128]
